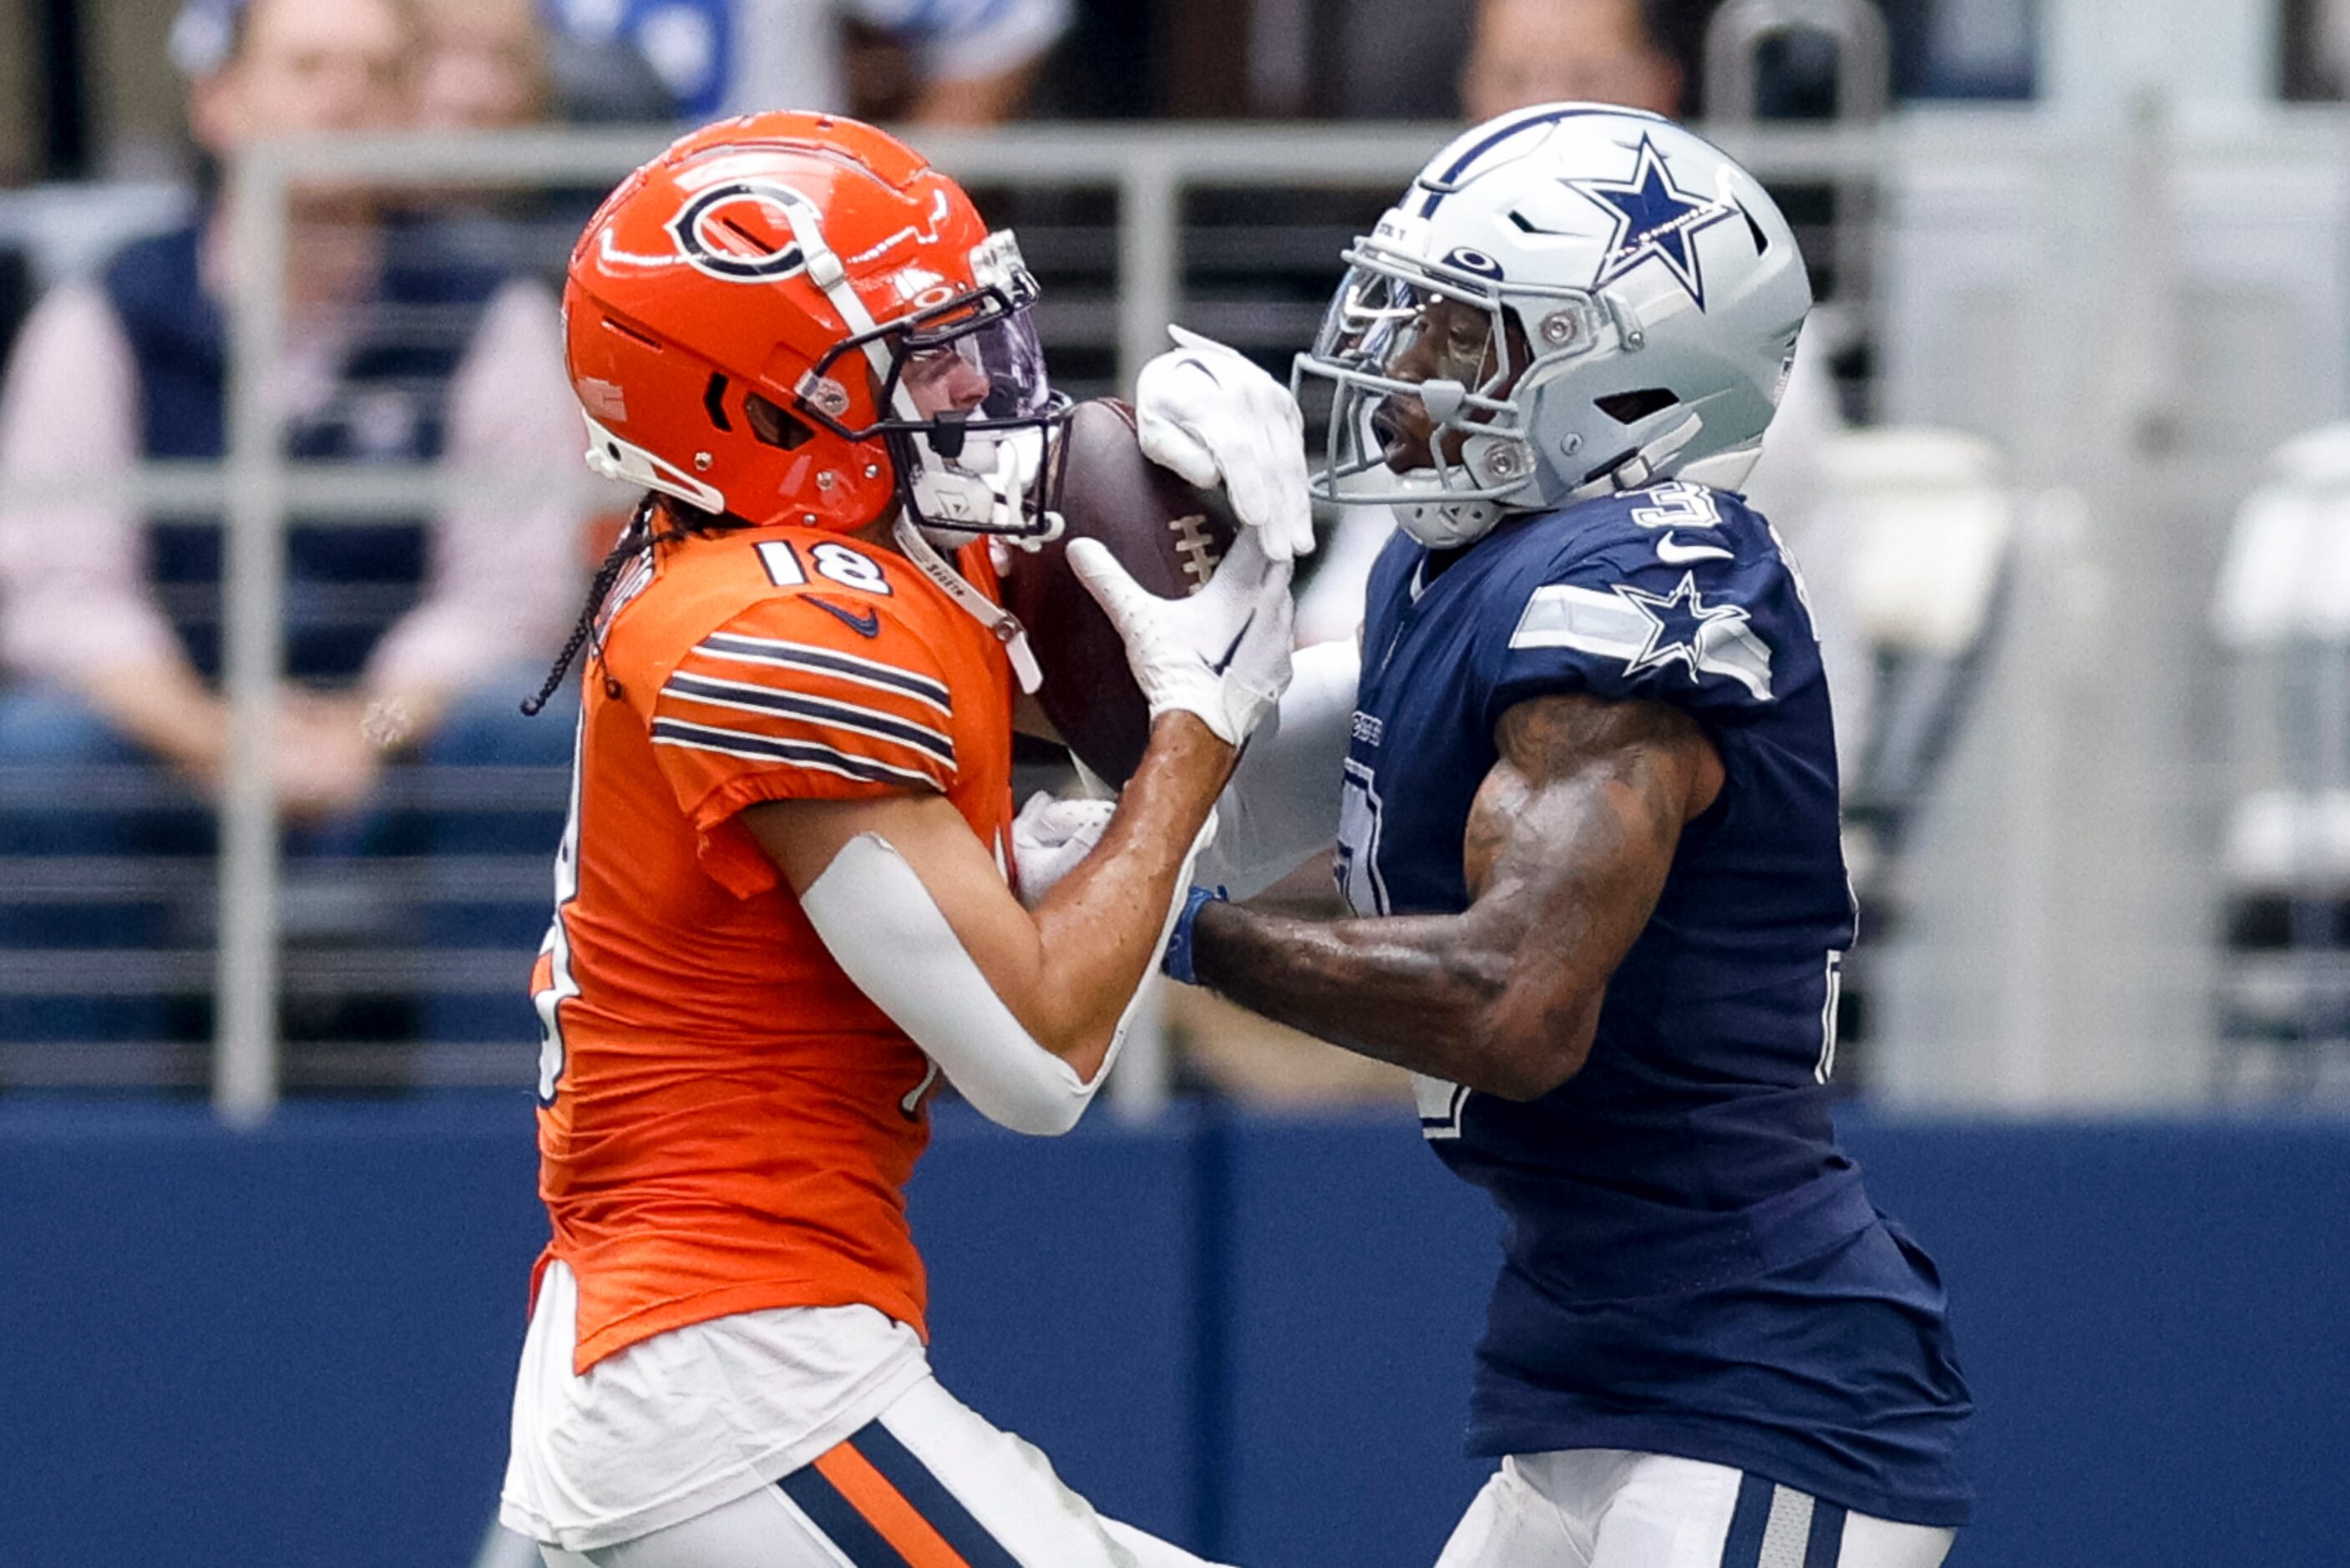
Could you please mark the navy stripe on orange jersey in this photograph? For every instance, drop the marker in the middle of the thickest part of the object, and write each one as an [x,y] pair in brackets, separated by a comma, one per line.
[743,649]
[769,749]
[921,1486]
[752,698]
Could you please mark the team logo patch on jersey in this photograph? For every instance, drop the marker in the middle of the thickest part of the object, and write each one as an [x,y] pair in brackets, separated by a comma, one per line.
[1650,631]
[741,232]
[1656,220]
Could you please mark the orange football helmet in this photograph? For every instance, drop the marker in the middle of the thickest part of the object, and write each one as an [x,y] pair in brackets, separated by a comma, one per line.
[795,318]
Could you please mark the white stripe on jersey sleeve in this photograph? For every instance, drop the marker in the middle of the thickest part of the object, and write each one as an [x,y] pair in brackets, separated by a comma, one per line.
[750,697]
[767,651]
[1563,615]
[800,753]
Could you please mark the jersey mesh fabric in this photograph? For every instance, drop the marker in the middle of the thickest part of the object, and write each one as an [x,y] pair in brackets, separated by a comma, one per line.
[731,1122]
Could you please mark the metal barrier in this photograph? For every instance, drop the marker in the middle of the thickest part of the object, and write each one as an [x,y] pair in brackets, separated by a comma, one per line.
[2077,400]
[1152,169]
[1856,29]
[1148,170]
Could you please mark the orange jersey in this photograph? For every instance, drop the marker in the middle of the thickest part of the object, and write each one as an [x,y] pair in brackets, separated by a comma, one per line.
[726,1123]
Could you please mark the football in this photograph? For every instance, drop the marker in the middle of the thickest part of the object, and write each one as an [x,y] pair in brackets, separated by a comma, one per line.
[1168,535]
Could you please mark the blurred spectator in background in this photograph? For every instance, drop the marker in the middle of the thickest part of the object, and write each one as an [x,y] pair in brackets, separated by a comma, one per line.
[495,65]
[1555,51]
[933,62]
[110,623]
[481,65]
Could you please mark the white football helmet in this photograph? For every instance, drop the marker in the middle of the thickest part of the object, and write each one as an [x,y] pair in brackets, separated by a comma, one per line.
[1624,306]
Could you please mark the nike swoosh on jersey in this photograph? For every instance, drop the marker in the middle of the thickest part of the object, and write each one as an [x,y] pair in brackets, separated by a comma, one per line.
[1673,553]
[869,623]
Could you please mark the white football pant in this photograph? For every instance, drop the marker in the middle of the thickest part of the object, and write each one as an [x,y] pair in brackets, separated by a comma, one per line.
[1607,1508]
[929,1483]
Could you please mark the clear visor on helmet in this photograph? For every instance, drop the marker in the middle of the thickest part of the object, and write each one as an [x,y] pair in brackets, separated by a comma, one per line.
[1395,325]
[962,398]
[994,370]
[1414,364]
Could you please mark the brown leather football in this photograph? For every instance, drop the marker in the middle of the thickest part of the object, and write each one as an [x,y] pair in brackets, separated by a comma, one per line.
[1168,535]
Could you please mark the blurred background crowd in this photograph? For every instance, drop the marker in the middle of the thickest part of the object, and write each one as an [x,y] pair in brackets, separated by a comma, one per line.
[2099,807]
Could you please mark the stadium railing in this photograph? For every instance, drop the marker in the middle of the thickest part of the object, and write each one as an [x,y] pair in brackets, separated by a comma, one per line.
[1195,219]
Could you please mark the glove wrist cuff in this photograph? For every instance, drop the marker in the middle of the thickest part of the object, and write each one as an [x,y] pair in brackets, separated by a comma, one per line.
[1177,964]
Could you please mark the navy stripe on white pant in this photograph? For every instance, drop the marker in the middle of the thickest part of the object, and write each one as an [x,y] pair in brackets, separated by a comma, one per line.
[1776,1526]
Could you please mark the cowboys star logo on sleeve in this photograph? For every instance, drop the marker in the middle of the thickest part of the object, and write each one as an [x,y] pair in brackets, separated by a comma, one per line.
[1650,632]
[1656,220]
[1703,639]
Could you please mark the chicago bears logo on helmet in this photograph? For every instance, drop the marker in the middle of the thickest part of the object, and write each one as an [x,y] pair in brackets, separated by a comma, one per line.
[741,232]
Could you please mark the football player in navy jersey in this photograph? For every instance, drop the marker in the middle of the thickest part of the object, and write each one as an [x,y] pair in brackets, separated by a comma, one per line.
[1588,830]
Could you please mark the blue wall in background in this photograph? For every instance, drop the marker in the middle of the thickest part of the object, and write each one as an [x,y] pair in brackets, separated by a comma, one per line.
[1250,1334]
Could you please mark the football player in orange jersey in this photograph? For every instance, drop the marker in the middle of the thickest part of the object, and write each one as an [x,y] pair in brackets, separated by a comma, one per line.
[782,906]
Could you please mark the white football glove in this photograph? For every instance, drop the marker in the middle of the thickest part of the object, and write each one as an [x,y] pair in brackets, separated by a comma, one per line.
[1221,654]
[1207,412]
[1050,835]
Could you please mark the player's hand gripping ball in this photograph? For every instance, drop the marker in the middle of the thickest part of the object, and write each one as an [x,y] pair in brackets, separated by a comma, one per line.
[1168,536]
[1208,412]
[1221,655]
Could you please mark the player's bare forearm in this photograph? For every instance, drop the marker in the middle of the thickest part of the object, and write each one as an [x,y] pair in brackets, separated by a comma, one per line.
[1410,992]
[1067,971]
[1100,923]
[1565,853]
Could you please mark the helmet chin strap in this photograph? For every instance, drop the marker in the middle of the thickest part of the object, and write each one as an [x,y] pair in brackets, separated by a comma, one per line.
[1442,524]
[1004,626]
[947,500]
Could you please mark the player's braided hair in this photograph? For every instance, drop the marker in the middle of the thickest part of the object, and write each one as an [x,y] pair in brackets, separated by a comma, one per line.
[633,539]
[644,529]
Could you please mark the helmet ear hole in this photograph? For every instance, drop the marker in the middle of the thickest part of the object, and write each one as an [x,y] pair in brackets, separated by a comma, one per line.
[774,426]
[1632,408]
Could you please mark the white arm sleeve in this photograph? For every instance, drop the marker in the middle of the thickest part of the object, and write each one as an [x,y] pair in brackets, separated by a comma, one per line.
[883,928]
[1282,804]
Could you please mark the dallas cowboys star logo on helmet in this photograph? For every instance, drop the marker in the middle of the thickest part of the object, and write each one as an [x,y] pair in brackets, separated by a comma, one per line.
[1656,220]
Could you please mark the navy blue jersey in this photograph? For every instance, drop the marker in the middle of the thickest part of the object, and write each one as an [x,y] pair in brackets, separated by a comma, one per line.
[1691,1264]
